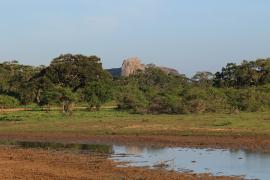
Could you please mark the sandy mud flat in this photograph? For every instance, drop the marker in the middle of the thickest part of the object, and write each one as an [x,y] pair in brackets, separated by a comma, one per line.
[42,164]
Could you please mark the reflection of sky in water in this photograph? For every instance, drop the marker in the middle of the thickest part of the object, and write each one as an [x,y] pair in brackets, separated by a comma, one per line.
[217,162]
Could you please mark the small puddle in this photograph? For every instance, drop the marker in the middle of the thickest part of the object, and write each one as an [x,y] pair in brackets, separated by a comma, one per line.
[218,162]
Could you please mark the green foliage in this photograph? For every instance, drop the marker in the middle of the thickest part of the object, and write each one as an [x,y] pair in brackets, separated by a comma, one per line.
[14,79]
[60,95]
[151,91]
[10,118]
[75,71]
[129,97]
[158,93]
[247,74]
[96,94]
[249,99]
[8,102]
[67,97]
[166,104]
[50,97]
[203,79]
[199,100]
[71,79]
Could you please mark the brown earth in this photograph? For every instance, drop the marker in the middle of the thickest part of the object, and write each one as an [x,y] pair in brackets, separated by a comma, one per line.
[259,143]
[52,165]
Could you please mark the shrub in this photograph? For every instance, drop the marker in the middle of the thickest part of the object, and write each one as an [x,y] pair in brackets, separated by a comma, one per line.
[131,98]
[96,94]
[8,102]
[207,99]
[166,104]
[250,99]
[60,95]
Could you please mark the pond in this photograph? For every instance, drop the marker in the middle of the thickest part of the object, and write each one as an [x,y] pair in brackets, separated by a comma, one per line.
[218,162]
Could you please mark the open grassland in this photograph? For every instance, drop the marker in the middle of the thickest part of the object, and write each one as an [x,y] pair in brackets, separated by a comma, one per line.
[111,122]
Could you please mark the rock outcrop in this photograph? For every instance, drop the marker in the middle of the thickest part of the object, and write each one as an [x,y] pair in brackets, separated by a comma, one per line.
[131,65]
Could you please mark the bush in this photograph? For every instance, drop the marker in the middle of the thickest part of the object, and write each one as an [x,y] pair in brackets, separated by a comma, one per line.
[250,99]
[60,95]
[166,104]
[8,102]
[96,94]
[200,100]
[131,98]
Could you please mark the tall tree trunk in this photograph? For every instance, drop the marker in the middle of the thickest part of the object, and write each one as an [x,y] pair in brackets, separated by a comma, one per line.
[38,96]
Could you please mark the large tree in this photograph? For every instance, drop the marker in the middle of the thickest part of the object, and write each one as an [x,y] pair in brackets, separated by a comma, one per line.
[75,71]
[68,71]
[14,80]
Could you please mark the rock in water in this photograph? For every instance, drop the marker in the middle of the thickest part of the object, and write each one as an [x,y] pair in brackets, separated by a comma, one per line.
[131,65]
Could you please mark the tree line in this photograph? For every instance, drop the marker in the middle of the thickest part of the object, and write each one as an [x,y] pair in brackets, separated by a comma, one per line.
[80,80]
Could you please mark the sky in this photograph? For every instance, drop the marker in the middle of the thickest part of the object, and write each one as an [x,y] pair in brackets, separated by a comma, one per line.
[189,35]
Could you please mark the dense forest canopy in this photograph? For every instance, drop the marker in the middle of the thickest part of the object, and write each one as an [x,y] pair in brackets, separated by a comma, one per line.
[77,79]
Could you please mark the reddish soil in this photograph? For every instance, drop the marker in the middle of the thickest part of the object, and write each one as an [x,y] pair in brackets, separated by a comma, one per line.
[48,165]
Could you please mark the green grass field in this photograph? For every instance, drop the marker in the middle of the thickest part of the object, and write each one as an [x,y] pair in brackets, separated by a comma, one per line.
[111,122]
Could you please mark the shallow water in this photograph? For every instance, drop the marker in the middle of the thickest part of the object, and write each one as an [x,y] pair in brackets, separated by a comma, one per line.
[218,162]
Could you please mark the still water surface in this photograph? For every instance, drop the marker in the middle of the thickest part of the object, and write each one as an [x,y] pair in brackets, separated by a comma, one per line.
[218,162]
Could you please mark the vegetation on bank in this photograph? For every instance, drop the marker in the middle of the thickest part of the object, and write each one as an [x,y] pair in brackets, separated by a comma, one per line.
[113,122]
[80,80]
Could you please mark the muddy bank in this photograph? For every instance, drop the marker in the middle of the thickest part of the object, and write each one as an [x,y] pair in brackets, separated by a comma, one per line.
[40,164]
[246,143]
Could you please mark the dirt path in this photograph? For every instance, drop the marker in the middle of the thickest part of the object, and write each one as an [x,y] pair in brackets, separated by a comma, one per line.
[248,143]
[47,165]
[14,110]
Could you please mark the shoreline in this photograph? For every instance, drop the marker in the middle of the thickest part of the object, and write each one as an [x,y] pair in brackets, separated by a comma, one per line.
[17,163]
[249,143]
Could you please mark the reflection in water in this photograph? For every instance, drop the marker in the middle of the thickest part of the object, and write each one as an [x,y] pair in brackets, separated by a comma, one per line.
[134,150]
[214,161]
[94,148]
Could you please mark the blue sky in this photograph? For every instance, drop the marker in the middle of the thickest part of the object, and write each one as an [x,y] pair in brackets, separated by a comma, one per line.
[189,35]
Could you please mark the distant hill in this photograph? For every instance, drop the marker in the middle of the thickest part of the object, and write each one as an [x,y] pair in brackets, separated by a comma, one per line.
[115,72]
